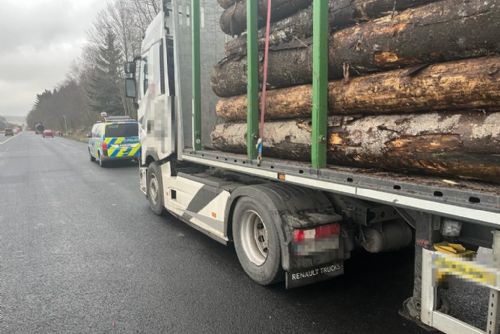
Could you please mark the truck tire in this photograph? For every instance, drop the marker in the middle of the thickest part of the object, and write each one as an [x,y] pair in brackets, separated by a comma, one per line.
[256,241]
[155,189]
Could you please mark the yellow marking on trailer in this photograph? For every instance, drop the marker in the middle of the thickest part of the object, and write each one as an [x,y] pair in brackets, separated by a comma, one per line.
[465,269]
[452,248]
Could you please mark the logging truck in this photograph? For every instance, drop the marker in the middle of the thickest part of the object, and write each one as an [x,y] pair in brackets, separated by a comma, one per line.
[295,222]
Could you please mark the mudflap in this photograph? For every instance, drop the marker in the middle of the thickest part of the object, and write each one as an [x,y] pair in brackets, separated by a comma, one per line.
[321,273]
[143,172]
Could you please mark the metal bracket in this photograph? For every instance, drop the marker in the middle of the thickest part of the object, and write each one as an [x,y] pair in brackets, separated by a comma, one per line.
[446,323]
[493,323]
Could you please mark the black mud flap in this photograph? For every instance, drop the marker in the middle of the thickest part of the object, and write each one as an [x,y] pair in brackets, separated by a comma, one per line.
[313,275]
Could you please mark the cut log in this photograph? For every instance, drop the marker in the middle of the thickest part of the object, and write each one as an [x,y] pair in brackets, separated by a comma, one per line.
[233,21]
[226,3]
[437,32]
[460,85]
[448,144]
[342,14]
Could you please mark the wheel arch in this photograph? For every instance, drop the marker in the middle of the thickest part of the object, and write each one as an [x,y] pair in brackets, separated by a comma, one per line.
[288,203]
[265,193]
[151,157]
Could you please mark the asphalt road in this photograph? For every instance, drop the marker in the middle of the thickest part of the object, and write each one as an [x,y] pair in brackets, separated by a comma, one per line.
[4,139]
[80,252]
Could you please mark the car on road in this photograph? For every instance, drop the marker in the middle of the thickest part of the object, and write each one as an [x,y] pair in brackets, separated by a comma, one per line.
[117,138]
[8,132]
[48,133]
[39,128]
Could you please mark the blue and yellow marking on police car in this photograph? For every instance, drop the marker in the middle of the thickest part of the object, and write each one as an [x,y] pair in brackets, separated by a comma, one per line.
[132,150]
[114,140]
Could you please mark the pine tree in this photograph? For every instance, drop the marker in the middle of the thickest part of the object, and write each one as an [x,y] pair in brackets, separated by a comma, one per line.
[105,91]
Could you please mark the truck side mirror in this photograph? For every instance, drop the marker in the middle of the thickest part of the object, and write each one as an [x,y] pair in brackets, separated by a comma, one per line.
[130,68]
[130,88]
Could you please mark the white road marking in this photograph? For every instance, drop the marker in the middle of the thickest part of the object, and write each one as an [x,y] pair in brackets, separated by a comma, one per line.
[8,140]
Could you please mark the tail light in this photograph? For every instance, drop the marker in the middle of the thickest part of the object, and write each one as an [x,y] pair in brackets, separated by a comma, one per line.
[104,146]
[318,233]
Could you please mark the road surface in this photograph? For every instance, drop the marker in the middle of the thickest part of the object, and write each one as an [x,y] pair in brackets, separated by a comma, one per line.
[81,252]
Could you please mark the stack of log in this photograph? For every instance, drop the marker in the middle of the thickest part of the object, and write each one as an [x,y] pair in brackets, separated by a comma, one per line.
[415,84]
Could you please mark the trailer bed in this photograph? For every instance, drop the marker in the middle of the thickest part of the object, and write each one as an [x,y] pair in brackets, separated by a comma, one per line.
[455,198]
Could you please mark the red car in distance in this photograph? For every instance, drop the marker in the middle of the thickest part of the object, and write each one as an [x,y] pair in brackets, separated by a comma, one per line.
[48,133]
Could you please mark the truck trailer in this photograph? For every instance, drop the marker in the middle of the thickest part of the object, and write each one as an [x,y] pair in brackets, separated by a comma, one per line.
[291,221]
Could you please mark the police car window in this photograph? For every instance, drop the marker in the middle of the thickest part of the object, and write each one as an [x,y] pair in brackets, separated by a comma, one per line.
[98,131]
[95,131]
[122,130]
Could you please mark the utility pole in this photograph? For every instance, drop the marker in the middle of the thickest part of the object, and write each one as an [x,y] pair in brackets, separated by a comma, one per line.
[65,125]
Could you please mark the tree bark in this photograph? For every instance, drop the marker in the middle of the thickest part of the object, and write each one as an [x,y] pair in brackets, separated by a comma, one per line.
[437,32]
[461,85]
[342,14]
[226,3]
[234,19]
[447,144]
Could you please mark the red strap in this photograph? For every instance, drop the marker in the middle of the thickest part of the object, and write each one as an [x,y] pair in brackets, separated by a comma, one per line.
[266,63]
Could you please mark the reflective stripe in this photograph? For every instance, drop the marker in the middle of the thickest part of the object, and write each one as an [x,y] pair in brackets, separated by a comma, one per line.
[114,140]
[135,150]
[115,151]
[111,150]
[122,151]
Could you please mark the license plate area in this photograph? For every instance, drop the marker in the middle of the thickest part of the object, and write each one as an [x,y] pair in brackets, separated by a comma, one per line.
[315,247]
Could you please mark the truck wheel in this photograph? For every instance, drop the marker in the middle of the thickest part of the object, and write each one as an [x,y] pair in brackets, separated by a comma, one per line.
[257,242]
[155,189]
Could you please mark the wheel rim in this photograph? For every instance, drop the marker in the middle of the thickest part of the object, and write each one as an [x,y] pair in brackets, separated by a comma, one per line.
[254,237]
[153,189]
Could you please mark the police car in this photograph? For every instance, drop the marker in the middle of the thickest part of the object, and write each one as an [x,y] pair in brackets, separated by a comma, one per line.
[116,138]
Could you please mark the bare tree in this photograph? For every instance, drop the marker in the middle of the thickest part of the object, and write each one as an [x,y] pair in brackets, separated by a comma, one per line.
[70,104]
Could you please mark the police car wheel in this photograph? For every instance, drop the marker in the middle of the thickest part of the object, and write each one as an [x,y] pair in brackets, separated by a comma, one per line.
[155,189]
[102,163]
[257,242]
[91,157]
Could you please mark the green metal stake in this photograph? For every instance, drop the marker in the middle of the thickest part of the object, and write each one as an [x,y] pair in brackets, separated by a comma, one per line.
[195,19]
[320,83]
[253,80]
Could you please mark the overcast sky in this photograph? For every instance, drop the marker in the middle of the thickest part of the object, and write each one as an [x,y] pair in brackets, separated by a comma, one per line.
[39,39]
